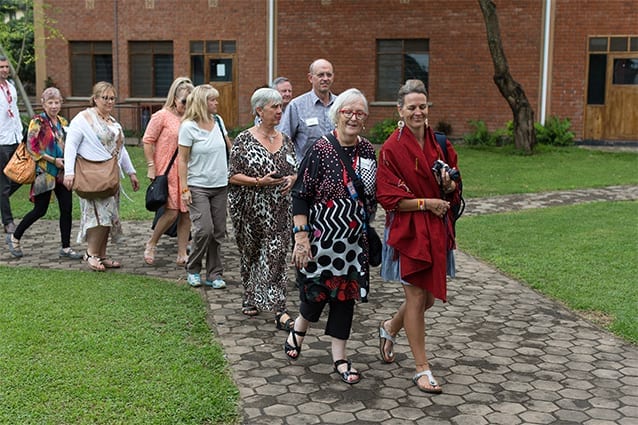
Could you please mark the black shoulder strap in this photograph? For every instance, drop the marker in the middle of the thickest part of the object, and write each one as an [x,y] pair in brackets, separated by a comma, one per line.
[222,129]
[441,138]
[170,164]
[342,155]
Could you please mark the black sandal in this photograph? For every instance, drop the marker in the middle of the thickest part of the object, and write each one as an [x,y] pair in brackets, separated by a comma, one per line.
[249,309]
[296,347]
[286,325]
[347,373]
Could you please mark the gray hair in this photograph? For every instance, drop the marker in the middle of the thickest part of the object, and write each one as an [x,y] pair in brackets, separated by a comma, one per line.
[264,96]
[278,81]
[347,96]
[410,86]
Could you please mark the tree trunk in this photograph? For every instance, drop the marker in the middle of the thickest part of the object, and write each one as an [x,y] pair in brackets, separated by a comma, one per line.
[511,90]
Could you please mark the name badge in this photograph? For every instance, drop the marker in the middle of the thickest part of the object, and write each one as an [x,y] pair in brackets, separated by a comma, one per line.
[312,121]
[366,163]
[352,190]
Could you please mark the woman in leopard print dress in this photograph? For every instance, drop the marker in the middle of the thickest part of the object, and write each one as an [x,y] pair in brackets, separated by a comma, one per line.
[262,172]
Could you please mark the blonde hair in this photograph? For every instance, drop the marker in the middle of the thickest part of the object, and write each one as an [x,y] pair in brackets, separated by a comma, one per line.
[100,88]
[179,86]
[197,103]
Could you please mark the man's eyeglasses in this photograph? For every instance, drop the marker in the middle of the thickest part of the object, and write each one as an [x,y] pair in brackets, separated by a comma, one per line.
[109,98]
[348,113]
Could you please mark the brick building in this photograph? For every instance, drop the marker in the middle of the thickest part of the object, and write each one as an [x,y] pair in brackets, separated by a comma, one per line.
[575,59]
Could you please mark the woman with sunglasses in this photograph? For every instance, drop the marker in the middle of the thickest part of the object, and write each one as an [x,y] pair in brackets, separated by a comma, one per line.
[333,196]
[160,145]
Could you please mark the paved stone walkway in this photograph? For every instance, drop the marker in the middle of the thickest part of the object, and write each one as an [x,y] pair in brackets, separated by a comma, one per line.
[503,353]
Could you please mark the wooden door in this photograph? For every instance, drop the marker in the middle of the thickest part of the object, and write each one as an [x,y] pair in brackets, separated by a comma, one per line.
[621,105]
[223,76]
[615,116]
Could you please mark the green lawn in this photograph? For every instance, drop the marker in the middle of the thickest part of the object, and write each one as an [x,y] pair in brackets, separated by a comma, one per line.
[88,348]
[493,171]
[583,255]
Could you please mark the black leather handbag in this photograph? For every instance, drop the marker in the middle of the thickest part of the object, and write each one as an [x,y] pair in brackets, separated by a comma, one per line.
[157,191]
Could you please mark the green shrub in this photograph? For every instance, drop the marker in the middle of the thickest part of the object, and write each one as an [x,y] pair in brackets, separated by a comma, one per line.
[233,132]
[555,132]
[480,136]
[380,132]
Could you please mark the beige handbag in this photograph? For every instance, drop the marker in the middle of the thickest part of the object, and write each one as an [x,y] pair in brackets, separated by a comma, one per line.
[97,179]
[21,166]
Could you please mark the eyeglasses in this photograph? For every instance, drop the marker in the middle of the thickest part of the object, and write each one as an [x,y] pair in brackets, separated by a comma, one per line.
[324,75]
[108,98]
[348,113]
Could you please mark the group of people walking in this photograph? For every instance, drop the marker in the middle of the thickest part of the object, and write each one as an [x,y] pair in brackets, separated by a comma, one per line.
[304,176]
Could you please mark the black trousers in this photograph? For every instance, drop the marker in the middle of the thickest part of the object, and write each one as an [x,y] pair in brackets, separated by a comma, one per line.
[7,186]
[339,317]
[41,205]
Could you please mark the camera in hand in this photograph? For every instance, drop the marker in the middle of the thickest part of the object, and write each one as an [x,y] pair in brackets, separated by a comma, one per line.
[439,166]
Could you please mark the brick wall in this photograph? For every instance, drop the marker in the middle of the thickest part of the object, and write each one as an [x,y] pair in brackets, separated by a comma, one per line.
[345,32]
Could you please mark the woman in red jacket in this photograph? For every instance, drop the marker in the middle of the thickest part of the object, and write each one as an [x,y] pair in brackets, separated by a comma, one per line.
[418,227]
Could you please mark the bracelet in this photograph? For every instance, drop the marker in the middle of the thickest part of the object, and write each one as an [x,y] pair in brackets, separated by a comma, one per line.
[420,204]
[302,228]
[185,191]
[150,164]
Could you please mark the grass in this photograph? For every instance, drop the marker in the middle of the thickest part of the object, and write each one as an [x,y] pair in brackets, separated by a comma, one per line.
[497,171]
[584,255]
[81,348]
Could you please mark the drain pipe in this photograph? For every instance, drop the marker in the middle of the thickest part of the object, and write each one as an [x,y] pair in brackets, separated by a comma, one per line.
[271,40]
[545,72]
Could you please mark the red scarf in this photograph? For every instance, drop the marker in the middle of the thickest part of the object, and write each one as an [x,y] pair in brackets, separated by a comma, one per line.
[420,238]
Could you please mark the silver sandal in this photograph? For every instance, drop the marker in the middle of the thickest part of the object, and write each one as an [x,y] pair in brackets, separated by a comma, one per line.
[436,389]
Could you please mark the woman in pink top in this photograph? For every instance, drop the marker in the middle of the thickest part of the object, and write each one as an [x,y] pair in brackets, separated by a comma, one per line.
[160,144]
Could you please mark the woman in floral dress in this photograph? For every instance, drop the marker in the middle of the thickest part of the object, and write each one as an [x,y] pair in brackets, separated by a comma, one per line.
[95,135]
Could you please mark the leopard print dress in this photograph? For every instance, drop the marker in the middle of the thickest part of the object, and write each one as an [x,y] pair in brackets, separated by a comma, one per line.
[262,221]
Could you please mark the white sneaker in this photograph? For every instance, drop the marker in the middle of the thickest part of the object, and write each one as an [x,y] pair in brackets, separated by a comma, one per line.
[218,283]
[194,280]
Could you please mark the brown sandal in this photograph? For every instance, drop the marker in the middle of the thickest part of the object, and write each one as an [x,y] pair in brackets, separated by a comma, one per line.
[94,262]
[111,264]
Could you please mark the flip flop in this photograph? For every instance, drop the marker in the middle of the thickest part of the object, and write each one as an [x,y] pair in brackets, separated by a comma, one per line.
[436,388]
[384,338]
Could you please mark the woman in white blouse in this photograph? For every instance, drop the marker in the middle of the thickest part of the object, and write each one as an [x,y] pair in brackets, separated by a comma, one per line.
[95,135]
[203,175]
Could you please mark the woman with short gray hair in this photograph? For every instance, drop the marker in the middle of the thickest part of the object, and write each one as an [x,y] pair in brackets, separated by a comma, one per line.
[262,171]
